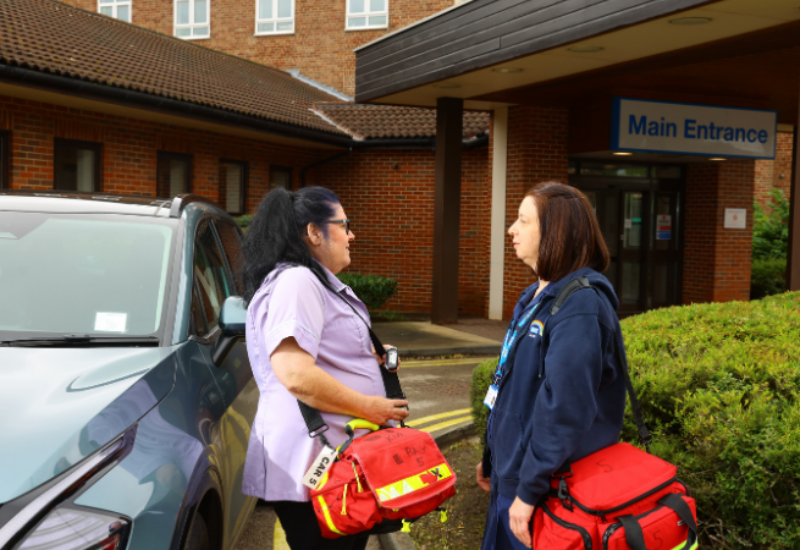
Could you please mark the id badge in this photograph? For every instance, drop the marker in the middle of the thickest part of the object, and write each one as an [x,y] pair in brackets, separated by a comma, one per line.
[491,397]
[319,467]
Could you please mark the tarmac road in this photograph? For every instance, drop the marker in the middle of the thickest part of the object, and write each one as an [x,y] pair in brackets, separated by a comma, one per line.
[438,393]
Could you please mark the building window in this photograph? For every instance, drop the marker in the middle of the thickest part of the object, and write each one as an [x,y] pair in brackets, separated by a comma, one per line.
[118,9]
[280,176]
[5,159]
[367,14]
[274,16]
[174,174]
[192,18]
[77,165]
[232,177]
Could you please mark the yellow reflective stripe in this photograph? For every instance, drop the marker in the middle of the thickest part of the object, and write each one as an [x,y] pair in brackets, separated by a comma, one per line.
[344,501]
[410,484]
[322,481]
[327,515]
[681,545]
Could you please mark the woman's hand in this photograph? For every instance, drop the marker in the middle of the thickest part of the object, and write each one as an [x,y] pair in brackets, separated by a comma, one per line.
[519,520]
[483,482]
[382,359]
[379,410]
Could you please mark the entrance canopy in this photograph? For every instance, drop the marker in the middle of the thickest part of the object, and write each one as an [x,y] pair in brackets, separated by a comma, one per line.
[587,57]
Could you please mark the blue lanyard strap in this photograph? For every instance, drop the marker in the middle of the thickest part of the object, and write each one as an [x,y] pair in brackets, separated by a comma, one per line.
[508,343]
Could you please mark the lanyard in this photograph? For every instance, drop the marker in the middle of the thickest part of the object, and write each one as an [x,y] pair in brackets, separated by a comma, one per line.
[508,343]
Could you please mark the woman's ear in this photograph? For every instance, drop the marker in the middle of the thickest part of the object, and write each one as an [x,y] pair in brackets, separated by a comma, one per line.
[314,234]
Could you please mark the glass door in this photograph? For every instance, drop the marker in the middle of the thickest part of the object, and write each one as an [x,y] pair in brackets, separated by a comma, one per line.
[632,251]
[666,250]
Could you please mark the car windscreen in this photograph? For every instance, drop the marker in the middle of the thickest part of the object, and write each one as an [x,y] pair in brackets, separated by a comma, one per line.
[83,274]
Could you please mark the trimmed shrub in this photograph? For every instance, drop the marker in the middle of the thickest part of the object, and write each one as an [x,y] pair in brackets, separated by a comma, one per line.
[767,277]
[719,386]
[771,230]
[373,290]
[244,221]
[481,379]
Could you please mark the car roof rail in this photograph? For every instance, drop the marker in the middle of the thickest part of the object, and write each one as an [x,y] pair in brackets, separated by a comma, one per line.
[179,202]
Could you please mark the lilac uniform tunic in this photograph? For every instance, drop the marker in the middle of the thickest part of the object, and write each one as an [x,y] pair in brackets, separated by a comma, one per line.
[293,303]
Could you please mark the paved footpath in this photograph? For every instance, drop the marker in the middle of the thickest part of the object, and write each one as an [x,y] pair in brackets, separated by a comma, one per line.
[438,393]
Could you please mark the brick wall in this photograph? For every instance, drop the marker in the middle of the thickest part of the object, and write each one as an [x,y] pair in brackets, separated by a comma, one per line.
[389,197]
[130,149]
[320,47]
[537,151]
[777,173]
[717,260]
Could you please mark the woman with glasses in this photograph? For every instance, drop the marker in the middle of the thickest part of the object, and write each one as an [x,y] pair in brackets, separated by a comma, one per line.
[305,343]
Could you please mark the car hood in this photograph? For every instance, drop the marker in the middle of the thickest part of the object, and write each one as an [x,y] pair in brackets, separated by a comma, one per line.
[59,405]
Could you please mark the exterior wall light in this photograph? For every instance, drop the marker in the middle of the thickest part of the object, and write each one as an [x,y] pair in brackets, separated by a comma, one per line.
[690,21]
[717,158]
[586,48]
[507,70]
[621,153]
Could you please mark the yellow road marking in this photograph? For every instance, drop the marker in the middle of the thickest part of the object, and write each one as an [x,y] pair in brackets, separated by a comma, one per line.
[279,537]
[425,419]
[443,425]
[443,362]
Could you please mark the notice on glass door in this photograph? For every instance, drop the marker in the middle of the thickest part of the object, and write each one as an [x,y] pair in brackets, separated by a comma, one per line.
[663,227]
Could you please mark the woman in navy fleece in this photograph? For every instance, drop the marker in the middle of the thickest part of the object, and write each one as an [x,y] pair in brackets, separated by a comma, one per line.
[558,392]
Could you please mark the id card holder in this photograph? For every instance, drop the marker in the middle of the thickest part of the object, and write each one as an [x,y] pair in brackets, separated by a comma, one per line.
[319,467]
[491,397]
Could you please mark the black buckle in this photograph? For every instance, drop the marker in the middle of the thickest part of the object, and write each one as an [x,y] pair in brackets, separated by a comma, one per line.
[563,494]
[319,431]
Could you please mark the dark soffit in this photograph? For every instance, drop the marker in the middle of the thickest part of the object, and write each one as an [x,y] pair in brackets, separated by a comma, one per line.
[482,33]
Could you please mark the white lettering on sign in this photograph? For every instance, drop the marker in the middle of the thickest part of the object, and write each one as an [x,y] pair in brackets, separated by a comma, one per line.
[684,128]
[735,218]
[319,467]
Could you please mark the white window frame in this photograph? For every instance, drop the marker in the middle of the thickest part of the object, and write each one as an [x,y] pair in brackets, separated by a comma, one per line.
[191,25]
[274,19]
[115,5]
[367,14]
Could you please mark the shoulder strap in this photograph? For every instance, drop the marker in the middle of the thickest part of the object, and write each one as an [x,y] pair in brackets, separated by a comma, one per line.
[391,382]
[570,288]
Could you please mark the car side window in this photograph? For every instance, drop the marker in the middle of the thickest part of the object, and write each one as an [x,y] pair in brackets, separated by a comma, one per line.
[211,279]
[230,235]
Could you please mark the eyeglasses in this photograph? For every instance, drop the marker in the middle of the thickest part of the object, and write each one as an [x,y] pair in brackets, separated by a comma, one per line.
[346,223]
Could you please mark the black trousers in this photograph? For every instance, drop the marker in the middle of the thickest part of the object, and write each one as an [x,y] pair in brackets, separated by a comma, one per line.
[303,532]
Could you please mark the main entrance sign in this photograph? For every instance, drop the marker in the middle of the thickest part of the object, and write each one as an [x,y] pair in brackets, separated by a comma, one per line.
[689,129]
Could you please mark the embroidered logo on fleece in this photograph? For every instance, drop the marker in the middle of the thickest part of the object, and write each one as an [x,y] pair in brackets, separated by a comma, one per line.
[537,327]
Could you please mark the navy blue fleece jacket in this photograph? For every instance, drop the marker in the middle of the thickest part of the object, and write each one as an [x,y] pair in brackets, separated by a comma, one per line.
[563,392]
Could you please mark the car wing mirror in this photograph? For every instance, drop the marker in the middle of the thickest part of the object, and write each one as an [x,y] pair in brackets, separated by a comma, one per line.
[233,316]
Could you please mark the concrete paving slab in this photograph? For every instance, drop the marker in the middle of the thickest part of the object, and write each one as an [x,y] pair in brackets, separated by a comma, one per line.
[424,339]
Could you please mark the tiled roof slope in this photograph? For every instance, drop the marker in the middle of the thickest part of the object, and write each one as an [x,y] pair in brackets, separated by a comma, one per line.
[47,36]
[384,121]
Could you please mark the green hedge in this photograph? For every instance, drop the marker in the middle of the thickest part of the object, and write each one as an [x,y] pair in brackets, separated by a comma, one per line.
[767,277]
[373,290]
[244,221]
[720,388]
[481,379]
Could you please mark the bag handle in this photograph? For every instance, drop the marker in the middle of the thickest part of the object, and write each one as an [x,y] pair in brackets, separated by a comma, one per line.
[578,283]
[391,381]
[634,536]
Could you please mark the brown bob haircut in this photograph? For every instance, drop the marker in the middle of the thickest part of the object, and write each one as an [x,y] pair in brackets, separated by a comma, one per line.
[571,236]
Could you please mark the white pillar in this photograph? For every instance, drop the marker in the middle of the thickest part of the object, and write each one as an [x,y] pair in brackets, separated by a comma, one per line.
[498,233]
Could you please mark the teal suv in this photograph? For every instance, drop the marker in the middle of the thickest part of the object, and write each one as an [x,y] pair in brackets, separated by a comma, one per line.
[126,395]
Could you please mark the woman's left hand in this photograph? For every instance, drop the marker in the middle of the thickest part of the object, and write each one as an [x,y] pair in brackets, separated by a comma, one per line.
[519,519]
[382,360]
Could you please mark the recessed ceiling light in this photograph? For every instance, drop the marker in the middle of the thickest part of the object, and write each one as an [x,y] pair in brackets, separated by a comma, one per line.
[690,21]
[717,158]
[621,153]
[585,48]
[447,86]
[507,70]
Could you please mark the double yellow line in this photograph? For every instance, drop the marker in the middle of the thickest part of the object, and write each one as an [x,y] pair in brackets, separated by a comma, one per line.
[463,415]
[444,362]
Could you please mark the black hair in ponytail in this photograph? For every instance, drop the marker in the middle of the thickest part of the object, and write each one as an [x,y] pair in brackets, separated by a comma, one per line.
[276,233]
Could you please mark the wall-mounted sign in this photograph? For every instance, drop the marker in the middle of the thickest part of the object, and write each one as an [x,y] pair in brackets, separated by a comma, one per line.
[663,227]
[689,129]
[735,218]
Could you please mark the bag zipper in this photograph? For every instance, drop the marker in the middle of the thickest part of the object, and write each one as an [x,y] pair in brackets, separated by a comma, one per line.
[587,539]
[603,513]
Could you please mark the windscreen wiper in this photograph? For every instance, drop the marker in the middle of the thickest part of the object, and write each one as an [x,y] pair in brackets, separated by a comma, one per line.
[82,340]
